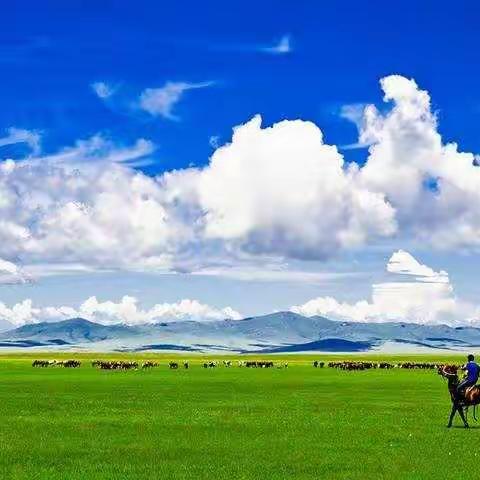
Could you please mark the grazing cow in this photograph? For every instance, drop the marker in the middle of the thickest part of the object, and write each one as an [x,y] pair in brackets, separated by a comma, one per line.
[186,365]
[40,363]
[210,364]
[70,363]
[421,366]
[173,365]
[349,366]
[149,364]
[55,363]
[385,365]
[259,364]
[114,365]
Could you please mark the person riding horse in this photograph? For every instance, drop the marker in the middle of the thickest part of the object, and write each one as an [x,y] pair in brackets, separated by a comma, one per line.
[472,372]
[462,394]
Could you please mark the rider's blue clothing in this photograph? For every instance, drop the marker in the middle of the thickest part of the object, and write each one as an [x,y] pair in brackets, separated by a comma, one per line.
[473,371]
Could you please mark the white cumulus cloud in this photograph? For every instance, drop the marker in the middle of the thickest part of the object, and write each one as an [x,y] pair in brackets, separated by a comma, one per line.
[276,191]
[96,214]
[434,188]
[427,298]
[404,263]
[282,190]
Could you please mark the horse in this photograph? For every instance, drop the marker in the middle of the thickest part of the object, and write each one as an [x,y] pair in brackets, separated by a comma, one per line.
[471,395]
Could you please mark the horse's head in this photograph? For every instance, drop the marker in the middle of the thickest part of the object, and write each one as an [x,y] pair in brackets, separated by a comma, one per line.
[450,372]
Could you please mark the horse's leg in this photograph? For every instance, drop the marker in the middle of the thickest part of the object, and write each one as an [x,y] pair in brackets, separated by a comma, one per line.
[460,411]
[452,414]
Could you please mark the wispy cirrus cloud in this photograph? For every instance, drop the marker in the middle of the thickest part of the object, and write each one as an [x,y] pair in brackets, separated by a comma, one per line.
[156,101]
[354,112]
[103,90]
[274,273]
[100,149]
[11,274]
[278,46]
[214,141]
[19,135]
[282,47]
[161,101]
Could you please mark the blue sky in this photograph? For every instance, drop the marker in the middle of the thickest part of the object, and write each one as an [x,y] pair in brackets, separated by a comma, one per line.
[228,63]
[52,52]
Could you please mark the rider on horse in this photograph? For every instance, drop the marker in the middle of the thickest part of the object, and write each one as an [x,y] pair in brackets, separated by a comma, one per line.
[472,372]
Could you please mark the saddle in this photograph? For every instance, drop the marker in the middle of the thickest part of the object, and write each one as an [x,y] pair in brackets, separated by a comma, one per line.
[472,394]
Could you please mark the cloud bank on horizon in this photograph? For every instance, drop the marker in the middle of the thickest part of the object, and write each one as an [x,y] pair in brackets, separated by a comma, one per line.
[126,311]
[419,295]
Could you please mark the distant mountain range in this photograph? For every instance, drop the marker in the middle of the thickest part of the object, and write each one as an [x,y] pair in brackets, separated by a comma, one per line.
[281,332]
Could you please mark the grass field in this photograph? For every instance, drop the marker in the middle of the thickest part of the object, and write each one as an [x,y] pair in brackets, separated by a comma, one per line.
[224,423]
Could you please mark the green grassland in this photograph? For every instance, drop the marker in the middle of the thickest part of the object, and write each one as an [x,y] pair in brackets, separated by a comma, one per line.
[237,423]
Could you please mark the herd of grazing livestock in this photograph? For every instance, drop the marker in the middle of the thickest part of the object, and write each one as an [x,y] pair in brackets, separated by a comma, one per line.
[360,365]
[173,365]
[123,365]
[348,365]
[114,365]
[258,364]
[133,365]
[57,363]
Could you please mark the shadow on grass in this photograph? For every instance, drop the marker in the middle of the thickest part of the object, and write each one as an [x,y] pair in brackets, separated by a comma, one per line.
[471,427]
